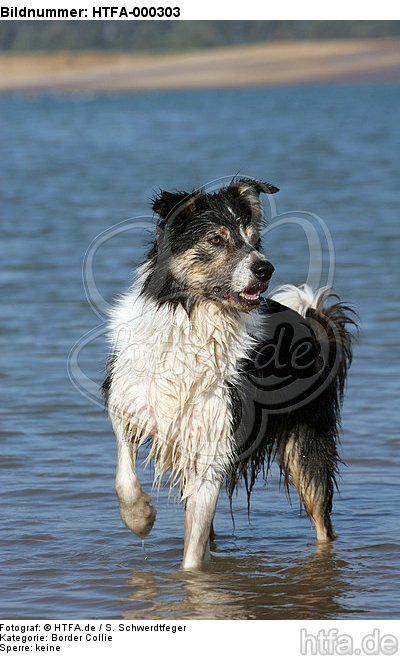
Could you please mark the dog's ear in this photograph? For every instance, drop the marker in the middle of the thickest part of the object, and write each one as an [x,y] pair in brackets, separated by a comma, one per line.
[165,201]
[245,193]
[179,203]
[247,185]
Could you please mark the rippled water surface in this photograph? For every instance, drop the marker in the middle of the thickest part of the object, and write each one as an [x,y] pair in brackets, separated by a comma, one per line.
[71,167]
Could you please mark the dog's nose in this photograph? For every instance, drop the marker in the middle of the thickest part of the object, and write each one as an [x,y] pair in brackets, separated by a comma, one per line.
[262,269]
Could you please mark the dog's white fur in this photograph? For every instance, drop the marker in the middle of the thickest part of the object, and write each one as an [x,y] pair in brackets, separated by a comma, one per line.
[170,377]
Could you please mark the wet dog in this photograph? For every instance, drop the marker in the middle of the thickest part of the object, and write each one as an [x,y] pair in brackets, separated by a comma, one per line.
[218,379]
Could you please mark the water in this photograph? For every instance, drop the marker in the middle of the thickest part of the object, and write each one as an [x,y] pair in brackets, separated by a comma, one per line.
[70,168]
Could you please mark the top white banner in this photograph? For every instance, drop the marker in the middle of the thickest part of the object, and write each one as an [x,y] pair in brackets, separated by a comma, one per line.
[130,10]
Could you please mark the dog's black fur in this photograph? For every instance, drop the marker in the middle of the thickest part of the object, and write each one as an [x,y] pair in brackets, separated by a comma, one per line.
[311,412]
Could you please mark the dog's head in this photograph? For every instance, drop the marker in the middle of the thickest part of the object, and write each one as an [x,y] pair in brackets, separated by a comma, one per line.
[208,245]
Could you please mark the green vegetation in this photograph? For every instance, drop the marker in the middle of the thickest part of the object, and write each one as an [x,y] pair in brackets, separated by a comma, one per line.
[156,36]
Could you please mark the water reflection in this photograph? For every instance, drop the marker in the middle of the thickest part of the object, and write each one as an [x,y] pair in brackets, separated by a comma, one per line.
[307,587]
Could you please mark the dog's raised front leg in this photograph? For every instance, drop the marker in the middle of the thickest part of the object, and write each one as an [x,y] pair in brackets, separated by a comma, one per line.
[199,514]
[309,464]
[134,504]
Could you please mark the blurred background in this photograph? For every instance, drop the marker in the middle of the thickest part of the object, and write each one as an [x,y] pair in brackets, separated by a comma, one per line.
[95,117]
[116,55]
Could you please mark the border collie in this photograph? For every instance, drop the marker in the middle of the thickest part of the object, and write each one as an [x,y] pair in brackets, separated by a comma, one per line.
[218,380]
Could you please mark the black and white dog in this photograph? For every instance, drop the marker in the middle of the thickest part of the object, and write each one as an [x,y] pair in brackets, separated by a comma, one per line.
[217,379]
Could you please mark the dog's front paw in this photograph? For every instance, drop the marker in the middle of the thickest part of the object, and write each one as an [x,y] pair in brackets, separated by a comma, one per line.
[140,516]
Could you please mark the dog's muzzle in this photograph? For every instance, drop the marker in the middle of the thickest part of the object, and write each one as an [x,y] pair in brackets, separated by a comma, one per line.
[250,280]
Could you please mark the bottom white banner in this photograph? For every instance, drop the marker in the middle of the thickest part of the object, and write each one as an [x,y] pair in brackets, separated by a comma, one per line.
[284,637]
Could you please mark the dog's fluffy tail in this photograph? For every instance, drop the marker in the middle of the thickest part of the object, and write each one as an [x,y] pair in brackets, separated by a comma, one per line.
[301,299]
[332,321]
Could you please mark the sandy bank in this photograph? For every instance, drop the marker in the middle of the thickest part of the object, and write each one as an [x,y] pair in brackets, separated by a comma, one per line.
[278,63]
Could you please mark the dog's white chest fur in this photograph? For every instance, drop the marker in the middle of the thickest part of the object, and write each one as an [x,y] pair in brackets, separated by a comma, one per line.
[170,381]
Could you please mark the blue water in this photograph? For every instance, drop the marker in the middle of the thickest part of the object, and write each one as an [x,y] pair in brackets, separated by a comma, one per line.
[72,167]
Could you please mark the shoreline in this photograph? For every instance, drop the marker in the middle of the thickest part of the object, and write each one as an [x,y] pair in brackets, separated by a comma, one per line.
[260,64]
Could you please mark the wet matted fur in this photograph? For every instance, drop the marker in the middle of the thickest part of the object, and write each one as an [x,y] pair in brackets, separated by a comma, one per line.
[220,380]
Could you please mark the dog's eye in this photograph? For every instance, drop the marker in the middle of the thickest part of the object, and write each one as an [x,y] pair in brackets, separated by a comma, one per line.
[217,240]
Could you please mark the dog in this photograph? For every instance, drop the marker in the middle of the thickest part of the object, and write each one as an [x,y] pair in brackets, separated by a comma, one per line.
[218,379]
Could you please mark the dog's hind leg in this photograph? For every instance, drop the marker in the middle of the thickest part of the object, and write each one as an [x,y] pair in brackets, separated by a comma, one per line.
[307,447]
[310,464]
[134,504]
[199,514]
